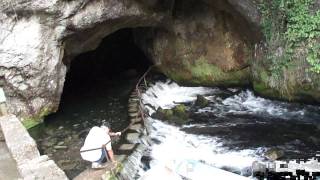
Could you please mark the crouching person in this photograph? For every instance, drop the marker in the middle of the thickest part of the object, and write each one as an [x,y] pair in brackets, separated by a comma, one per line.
[97,146]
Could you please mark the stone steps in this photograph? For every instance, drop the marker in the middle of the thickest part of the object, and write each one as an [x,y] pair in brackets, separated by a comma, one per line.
[136,127]
[134,115]
[133,137]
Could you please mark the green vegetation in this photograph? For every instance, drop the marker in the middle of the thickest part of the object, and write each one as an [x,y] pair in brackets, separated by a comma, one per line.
[208,74]
[32,121]
[112,174]
[291,24]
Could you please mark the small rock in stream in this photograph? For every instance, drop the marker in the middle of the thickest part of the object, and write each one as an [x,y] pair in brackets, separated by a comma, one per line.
[201,101]
[274,154]
[60,147]
[60,143]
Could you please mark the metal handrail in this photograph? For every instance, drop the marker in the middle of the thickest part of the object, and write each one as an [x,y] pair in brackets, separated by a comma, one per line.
[143,77]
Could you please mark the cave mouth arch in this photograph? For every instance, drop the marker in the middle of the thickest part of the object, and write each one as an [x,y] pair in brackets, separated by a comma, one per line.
[111,69]
[117,56]
[97,87]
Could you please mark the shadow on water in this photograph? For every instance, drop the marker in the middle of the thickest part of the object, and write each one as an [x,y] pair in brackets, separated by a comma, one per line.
[97,88]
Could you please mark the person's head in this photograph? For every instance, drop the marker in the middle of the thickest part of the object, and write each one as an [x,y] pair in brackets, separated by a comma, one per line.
[106,126]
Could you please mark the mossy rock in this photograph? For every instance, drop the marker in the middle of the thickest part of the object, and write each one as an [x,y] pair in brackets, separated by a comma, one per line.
[32,121]
[163,114]
[205,74]
[201,101]
[177,115]
[180,111]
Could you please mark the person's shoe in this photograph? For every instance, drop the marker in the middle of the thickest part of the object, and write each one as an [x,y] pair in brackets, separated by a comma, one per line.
[96,165]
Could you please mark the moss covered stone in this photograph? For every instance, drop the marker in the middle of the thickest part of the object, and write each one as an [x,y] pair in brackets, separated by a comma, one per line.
[204,73]
[201,101]
[177,115]
[180,111]
[32,121]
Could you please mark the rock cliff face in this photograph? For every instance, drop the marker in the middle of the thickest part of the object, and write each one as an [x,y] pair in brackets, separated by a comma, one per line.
[202,44]
[287,63]
[194,42]
[39,38]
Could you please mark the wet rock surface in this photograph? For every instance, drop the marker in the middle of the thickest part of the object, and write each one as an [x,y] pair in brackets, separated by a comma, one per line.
[274,154]
[201,101]
[177,115]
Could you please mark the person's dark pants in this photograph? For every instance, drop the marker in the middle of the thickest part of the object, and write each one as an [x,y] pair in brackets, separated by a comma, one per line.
[104,156]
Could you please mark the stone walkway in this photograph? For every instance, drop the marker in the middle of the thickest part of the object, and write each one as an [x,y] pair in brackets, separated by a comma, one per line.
[8,167]
[23,149]
[132,137]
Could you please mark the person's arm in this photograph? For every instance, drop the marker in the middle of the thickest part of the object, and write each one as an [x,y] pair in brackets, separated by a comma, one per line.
[111,156]
[115,134]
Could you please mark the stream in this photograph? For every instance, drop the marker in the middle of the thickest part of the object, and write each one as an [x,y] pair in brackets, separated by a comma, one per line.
[234,130]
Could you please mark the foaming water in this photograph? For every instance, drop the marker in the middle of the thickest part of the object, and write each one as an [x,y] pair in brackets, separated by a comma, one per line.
[167,94]
[234,130]
[176,145]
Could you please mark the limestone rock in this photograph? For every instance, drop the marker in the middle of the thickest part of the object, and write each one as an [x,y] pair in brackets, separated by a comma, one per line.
[194,42]
[201,45]
[39,38]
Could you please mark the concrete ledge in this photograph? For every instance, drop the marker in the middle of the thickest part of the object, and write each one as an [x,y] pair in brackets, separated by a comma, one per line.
[25,152]
[21,146]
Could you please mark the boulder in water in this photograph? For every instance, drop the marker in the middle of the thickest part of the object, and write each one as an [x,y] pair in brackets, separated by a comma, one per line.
[201,101]
[177,115]
[180,111]
[163,114]
[274,154]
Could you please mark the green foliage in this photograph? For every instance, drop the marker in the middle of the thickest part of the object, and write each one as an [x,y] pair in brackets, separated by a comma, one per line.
[291,24]
[313,57]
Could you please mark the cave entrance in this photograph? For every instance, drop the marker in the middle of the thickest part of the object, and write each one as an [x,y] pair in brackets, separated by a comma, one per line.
[97,87]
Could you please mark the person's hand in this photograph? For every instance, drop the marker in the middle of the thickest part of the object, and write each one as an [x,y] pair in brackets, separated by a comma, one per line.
[118,133]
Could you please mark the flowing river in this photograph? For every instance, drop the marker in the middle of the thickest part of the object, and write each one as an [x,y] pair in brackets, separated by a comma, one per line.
[234,130]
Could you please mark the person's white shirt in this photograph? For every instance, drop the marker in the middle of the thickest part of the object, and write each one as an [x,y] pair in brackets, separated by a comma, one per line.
[96,138]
